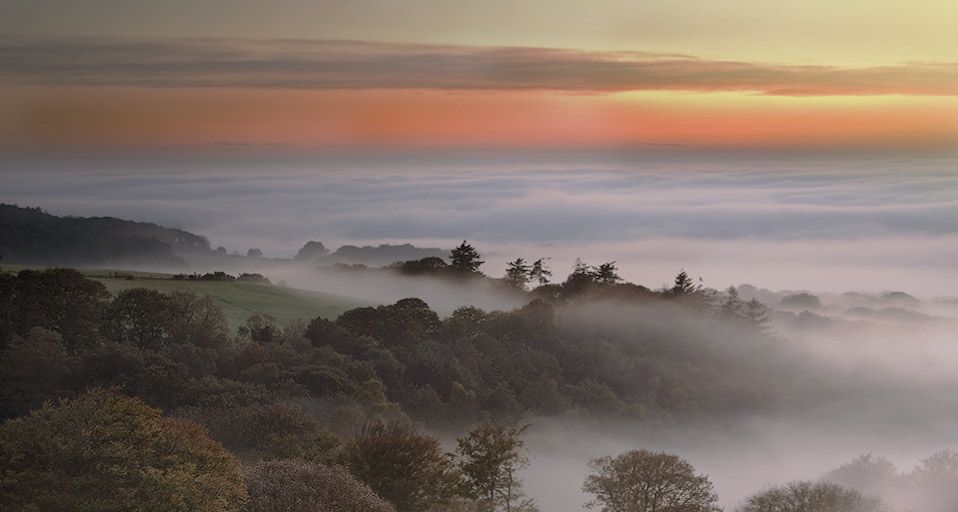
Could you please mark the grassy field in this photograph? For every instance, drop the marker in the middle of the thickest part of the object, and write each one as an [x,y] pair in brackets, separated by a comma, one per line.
[239,300]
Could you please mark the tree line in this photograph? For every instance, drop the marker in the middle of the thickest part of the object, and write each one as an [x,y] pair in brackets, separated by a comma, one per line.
[106,451]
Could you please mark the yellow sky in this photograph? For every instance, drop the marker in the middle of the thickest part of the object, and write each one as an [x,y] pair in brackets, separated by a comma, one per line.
[841,32]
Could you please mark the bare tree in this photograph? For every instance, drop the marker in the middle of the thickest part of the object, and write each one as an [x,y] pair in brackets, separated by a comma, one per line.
[643,481]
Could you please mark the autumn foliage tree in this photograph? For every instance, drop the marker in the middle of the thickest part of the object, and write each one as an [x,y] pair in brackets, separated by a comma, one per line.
[106,452]
[403,466]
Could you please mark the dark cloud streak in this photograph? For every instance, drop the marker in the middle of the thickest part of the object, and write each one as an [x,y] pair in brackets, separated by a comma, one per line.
[325,64]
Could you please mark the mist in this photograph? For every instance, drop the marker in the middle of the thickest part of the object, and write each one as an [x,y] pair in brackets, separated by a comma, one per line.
[836,222]
[859,371]
[848,388]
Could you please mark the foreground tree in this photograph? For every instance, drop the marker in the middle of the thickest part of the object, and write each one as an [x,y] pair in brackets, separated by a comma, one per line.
[465,259]
[643,481]
[296,485]
[401,465]
[490,457]
[106,452]
[811,497]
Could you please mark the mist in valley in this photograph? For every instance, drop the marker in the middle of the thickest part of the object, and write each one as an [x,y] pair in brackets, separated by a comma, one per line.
[855,365]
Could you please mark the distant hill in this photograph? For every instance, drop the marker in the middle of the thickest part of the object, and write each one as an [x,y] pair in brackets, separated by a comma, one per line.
[32,236]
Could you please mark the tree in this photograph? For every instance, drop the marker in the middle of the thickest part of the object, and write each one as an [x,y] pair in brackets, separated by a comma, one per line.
[731,308]
[60,299]
[643,481]
[867,474]
[932,486]
[757,315]
[261,328]
[311,251]
[811,497]
[106,452]
[405,467]
[517,273]
[296,485]
[465,259]
[606,273]
[254,253]
[539,272]
[683,284]
[490,457]
[140,316]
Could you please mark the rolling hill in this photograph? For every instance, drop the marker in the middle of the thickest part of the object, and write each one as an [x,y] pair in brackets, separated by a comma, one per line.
[238,299]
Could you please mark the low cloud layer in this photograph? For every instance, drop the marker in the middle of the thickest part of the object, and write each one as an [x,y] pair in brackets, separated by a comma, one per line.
[330,64]
[827,224]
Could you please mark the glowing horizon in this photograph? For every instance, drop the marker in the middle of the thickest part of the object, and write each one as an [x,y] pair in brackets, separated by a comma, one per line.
[133,77]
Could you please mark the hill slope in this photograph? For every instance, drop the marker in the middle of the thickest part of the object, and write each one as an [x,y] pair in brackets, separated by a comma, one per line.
[32,236]
[238,299]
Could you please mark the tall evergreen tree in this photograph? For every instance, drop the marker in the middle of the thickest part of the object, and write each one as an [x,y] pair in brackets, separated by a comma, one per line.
[683,284]
[465,259]
[518,272]
[539,272]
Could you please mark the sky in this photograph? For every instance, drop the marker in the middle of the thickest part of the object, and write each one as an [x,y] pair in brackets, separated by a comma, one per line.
[108,74]
[803,145]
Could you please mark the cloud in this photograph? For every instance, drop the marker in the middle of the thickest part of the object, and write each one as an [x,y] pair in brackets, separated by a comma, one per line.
[331,64]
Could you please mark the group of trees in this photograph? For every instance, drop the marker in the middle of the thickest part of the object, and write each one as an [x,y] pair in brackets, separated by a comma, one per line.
[320,413]
[103,451]
[64,333]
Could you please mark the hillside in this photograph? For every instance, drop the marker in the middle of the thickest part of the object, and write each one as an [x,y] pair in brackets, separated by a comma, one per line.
[32,236]
[238,299]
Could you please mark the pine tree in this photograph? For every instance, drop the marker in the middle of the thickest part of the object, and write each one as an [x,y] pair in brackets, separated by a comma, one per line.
[465,259]
[518,273]
[539,272]
[684,284]
[606,273]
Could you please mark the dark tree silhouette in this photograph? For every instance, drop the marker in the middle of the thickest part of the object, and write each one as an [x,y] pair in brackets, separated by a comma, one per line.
[606,273]
[465,259]
[517,273]
[683,284]
[539,272]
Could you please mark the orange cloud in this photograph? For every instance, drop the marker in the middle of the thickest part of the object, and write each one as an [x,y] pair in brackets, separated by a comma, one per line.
[126,116]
